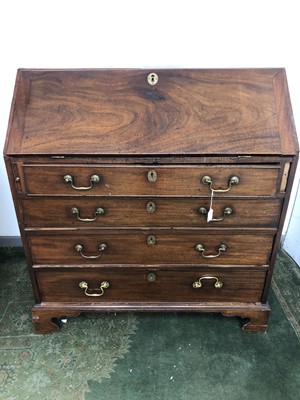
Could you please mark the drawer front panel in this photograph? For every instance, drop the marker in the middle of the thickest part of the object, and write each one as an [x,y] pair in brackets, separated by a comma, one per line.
[140,284]
[150,180]
[151,247]
[165,212]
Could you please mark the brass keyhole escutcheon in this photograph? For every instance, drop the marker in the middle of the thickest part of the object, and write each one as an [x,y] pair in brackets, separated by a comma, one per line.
[151,240]
[151,277]
[151,207]
[152,78]
[152,176]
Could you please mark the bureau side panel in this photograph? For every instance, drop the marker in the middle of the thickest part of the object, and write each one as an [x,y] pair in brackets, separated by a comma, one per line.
[14,172]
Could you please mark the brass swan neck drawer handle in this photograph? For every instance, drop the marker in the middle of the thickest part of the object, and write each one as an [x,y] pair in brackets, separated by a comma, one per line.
[198,284]
[207,180]
[75,211]
[226,211]
[85,286]
[93,179]
[79,249]
[202,250]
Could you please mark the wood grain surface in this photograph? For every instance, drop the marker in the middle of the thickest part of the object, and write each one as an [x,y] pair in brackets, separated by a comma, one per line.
[131,284]
[57,213]
[184,180]
[171,247]
[118,112]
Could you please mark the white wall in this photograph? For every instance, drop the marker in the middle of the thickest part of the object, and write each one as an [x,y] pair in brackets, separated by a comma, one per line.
[87,33]
[292,239]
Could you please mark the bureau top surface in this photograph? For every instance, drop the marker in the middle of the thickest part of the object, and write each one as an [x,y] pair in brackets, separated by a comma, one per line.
[118,112]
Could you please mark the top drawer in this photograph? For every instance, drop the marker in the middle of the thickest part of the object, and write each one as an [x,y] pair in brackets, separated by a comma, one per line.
[133,180]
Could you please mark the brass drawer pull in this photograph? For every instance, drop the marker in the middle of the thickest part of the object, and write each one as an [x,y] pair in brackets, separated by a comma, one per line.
[79,249]
[198,284]
[202,250]
[85,286]
[234,180]
[93,179]
[226,211]
[98,211]
[152,176]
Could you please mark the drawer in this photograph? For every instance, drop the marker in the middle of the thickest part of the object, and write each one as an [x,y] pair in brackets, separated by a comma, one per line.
[109,180]
[133,212]
[144,285]
[151,247]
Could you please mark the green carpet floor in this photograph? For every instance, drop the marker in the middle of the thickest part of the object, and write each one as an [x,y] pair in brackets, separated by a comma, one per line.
[153,356]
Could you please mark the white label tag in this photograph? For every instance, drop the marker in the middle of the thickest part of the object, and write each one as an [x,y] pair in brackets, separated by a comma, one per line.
[210,215]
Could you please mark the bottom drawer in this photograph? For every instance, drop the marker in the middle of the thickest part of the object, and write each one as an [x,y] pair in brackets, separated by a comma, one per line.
[125,284]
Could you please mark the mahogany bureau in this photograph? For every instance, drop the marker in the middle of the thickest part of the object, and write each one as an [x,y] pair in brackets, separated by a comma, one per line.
[139,190]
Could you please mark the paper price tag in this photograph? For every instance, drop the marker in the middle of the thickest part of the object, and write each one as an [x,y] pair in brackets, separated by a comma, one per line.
[210,215]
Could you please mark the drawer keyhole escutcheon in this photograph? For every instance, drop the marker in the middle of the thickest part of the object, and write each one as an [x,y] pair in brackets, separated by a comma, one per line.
[226,211]
[99,211]
[151,277]
[151,240]
[93,179]
[201,249]
[102,247]
[152,78]
[85,286]
[152,176]
[198,284]
[151,207]
[207,180]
